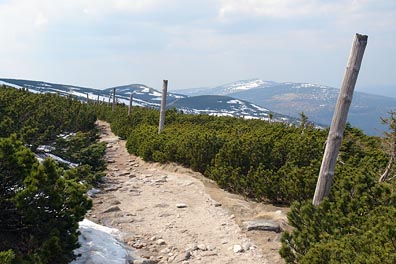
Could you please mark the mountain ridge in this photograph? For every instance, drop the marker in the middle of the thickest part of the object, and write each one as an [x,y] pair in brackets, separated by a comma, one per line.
[146,96]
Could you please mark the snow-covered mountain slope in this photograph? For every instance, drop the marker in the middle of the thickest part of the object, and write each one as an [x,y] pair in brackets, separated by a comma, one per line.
[227,106]
[316,101]
[229,88]
[142,95]
[148,97]
[244,85]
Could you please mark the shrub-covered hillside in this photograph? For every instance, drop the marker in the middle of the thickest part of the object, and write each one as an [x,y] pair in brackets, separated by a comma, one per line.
[279,163]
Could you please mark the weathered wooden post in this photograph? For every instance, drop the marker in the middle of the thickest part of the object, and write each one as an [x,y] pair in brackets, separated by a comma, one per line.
[337,127]
[114,99]
[130,104]
[87,98]
[97,101]
[163,104]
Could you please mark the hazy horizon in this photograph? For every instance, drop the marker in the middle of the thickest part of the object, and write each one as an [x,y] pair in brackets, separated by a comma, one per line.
[387,90]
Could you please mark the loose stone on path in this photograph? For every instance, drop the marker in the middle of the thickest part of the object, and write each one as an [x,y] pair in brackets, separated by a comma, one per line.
[262,224]
[112,209]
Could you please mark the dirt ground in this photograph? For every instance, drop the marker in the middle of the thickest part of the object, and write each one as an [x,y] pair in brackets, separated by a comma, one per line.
[170,214]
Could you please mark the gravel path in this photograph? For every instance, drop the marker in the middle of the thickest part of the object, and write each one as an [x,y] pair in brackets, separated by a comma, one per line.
[171,214]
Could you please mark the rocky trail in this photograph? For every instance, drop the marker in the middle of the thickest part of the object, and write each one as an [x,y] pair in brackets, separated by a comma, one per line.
[170,214]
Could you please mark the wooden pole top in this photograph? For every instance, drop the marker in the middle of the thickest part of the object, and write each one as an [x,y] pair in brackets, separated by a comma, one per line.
[361,37]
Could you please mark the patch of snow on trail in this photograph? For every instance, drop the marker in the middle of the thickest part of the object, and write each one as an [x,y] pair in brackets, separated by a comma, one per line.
[99,245]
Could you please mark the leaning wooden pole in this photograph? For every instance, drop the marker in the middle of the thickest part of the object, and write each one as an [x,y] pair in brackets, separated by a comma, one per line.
[114,99]
[130,104]
[337,127]
[163,104]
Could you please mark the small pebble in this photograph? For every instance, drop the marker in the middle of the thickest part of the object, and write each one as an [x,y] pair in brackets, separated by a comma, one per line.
[160,242]
[238,249]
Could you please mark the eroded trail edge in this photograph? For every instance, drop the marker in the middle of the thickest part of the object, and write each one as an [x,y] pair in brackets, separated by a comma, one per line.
[171,214]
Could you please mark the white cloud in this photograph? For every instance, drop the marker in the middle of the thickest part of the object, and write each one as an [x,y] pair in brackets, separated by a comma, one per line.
[25,21]
[43,10]
[270,8]
[40,20]
[288,9]
[100,7]
[136,5]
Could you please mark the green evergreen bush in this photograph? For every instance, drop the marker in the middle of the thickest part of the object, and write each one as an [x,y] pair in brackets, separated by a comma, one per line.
[42,203]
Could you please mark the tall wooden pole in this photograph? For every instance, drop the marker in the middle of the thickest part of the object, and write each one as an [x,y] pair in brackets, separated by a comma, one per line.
[114,99]
[163,104]
[130,104]
[337,127]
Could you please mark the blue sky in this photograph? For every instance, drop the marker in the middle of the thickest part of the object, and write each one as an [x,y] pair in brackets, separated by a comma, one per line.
[195,43]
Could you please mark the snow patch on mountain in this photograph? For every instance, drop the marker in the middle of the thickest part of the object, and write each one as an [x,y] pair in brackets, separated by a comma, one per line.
[154,93]
[242,86]
[306,85]
[234,102]
[260,108]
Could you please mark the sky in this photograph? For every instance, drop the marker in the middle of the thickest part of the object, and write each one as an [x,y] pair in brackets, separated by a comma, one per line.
[196,43]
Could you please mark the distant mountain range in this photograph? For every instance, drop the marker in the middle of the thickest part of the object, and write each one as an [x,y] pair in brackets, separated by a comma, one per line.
[145,96]
[316,101]
[247,98]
